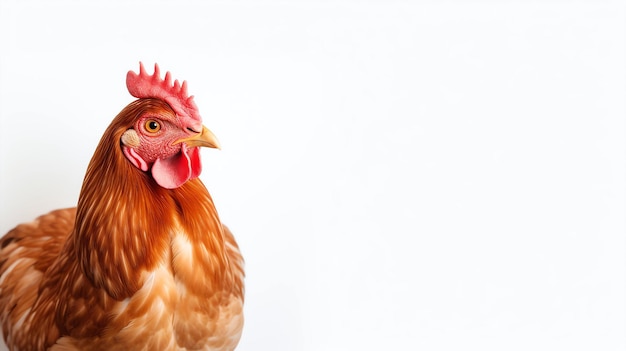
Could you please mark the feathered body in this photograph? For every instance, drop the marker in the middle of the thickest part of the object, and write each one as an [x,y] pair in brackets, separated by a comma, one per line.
[135,266]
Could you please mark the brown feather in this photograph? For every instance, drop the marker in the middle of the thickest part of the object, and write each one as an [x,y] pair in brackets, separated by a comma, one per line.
[134,267]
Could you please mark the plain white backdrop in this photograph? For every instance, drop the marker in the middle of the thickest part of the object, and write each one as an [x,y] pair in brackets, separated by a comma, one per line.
[400,175]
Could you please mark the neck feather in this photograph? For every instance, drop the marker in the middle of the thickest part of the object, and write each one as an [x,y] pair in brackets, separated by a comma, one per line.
[125,221]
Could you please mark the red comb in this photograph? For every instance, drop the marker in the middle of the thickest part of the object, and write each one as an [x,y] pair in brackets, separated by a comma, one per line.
[143,85]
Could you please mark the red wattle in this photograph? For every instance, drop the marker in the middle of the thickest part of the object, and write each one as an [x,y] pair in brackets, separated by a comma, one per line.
[175,170]
[196,165]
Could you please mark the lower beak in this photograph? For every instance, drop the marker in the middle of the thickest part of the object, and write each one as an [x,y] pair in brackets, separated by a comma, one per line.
[204,138]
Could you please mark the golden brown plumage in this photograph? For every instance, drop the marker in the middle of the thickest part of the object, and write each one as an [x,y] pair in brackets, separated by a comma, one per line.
[135,266]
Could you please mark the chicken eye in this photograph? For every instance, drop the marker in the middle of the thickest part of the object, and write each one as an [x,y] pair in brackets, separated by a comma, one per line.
[152,126]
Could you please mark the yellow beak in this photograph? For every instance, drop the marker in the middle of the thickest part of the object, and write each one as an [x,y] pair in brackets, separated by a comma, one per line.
[204,138]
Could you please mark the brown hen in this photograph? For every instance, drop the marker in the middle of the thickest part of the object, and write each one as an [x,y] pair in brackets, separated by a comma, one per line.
[143,262]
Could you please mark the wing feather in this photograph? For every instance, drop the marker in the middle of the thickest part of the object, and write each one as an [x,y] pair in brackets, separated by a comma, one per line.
[26,252]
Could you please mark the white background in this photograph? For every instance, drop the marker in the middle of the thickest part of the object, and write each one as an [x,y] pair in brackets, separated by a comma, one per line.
[426,175]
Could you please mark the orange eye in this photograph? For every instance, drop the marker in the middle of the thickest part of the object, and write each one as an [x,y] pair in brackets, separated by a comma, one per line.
[152,126]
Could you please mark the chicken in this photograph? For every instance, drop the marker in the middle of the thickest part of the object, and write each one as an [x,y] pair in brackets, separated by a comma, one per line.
[143,262]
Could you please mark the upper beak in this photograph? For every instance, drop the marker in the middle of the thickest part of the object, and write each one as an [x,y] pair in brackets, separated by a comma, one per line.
[204,138]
